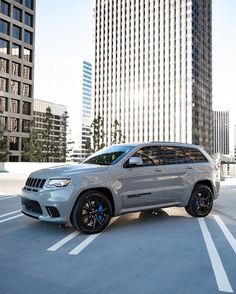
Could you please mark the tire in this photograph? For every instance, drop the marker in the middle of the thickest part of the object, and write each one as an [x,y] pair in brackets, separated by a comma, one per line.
[91,213]
[200,202]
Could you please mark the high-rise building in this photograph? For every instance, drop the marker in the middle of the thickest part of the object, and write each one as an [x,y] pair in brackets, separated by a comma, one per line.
[153,69]
[221,132]
[74,85]
[234,142]
[17,31]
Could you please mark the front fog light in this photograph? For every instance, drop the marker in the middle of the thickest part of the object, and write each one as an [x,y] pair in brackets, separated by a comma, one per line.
[58,182]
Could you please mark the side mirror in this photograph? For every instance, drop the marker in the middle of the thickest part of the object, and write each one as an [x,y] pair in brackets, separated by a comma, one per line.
[135,161]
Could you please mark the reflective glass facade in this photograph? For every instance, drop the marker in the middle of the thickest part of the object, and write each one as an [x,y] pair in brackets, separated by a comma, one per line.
[87,91]
[86,107]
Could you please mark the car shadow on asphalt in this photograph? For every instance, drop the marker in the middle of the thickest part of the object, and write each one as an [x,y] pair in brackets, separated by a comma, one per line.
[150,219]
[143,219]
[153,214]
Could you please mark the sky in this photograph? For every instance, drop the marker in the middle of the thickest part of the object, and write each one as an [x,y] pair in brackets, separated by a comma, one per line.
[224,55]
[64,31]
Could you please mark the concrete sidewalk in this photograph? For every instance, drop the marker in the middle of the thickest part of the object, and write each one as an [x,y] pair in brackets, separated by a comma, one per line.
[11,184]
[226,202]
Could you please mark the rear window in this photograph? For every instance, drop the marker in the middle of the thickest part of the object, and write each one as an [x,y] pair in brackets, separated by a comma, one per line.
[194,155]
[172,155]
[180,155]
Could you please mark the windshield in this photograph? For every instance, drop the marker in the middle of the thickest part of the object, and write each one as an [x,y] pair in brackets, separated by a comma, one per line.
[109,155]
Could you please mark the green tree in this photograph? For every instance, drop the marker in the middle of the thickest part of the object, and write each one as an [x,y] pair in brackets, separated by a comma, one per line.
[47,135]
[98,134]
[4,148]
[63,143]
[117,136]
[32,146]
[65,146]
[87,147]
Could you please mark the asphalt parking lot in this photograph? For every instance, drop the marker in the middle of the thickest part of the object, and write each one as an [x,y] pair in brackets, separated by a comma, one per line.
[165,252]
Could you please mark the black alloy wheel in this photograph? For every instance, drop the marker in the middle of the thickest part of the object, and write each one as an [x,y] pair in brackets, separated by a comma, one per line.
[201,201]
[91,213]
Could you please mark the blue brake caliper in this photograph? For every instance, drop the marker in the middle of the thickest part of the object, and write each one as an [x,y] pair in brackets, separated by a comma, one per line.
[100,209]
[197,203]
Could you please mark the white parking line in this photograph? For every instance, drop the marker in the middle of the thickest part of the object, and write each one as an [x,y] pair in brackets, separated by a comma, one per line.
[88,240]
[10,218]
[84,244]
[63,241]
[7,197]
[219,271]
[6,214]
[226,232]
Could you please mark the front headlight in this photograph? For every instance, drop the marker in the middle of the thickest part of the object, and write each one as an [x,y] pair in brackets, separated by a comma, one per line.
[58,183]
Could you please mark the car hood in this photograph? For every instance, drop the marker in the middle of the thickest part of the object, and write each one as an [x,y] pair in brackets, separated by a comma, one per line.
[67,170]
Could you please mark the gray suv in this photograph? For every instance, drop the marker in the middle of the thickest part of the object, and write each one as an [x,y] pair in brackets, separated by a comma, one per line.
[121,179]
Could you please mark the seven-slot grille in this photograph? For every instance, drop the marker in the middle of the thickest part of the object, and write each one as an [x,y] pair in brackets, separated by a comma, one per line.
[35,183]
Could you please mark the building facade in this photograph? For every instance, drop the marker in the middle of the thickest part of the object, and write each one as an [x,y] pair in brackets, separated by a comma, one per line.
[17,34]
[234,142]
[57,136]
[74,84]
[86,109]
[221,132]
[153,69]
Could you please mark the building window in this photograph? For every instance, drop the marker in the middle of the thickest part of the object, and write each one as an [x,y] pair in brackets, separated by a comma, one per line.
[14,143]
[29,19]
[27,55]
[29,4]
[28,37]
[16,50]
[26,90]
[3,84]
[27,72]
[14,124]
[15,69]
[4,27]
[26,108]
[25,126]
[19,1]
[15,87]
[3,122]
[4,46]
[13,158]
[14,106]
[5,8]
[17,14]
[16,32]
[3,104]
[3,65]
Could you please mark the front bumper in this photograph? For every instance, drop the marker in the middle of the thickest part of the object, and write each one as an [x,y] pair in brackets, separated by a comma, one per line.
[49,205]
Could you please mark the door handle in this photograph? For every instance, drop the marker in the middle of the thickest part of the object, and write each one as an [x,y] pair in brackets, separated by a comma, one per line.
[189,167]
[158,170]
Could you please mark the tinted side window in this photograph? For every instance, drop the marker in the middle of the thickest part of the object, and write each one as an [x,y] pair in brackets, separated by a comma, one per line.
[149,155]
[194,155]
[172,155]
